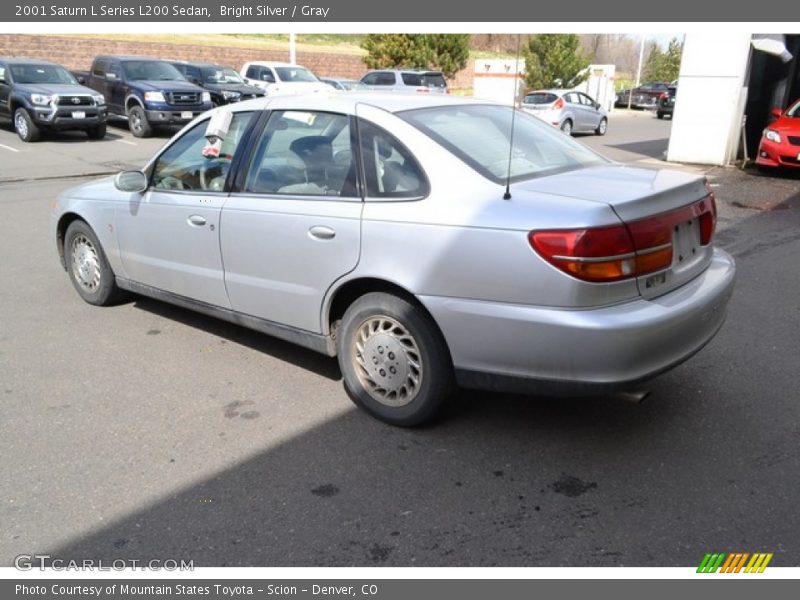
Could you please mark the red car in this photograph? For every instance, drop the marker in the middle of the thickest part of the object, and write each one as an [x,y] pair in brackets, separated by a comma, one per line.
[780,141]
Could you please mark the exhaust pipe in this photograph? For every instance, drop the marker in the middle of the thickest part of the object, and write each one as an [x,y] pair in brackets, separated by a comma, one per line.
[632,397]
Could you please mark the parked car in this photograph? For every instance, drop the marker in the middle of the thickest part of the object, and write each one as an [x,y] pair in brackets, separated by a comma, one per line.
[780,140]
[406,80]
[666,102]
[570,111]
[399,251]
[37,95]
[280,79]
[644,97]
[148,92]
[223,83]
[343,85]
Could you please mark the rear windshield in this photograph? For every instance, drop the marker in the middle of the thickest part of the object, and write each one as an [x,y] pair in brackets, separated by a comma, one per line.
[154,70]
[539,98]
[41,74]
[433,80]
[479,135]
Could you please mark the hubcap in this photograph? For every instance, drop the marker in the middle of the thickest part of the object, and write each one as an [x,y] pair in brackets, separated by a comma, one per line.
[85,263]
[22,126]
[136,122]
[567,128]
[603,126]
[387,361]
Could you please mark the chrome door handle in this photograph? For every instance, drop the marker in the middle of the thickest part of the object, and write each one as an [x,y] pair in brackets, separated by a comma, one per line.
[197,220]
[321,232]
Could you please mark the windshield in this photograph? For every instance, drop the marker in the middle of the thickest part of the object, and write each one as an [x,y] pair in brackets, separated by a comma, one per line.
[154,70]
[794,111]
[295,74]
[479,135]
[42,74]
[221,75]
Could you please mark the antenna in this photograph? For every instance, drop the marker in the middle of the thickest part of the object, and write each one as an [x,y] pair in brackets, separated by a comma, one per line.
[507,195]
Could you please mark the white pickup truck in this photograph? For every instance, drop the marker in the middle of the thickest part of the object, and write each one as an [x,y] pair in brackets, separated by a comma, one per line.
[282,79]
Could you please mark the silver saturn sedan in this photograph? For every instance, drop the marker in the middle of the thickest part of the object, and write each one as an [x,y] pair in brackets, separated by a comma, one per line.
[404,235]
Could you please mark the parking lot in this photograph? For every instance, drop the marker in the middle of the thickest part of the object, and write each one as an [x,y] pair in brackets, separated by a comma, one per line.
[148,431]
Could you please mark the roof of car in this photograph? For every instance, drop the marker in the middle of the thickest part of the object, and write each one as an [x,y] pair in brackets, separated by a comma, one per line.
[273,63]
[404,71]
[17,60]
[346,102]
[130,57]
[201,65]
[556,91]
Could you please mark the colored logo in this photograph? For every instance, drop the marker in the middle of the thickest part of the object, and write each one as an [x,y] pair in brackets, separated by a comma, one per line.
[738,562]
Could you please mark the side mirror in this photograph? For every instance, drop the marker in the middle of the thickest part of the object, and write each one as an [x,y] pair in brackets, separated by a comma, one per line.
[81,79]
[111,76]
[776,112]
[131,181]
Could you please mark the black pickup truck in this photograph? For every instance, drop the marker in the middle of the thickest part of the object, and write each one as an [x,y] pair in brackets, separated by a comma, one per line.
[38,95]
[147,91]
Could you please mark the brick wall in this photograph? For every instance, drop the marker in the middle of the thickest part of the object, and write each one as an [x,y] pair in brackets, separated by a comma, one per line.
[77,53]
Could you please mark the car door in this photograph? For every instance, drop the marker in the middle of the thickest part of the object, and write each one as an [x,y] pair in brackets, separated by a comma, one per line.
[5,91]
[169,236]
[573,106]
[294,228]
[593,115]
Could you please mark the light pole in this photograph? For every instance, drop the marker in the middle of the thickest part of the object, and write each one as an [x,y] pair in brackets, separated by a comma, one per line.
[293,48]
[638,70]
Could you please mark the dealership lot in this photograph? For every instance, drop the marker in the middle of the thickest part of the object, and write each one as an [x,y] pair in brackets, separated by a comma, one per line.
[147,431]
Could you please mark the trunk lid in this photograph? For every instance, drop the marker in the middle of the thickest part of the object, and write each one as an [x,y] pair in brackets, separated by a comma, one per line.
[636,194]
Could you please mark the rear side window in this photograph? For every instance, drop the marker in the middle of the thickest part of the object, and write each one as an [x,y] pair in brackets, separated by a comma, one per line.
[390,169]
[100,67]
[384,79]
[539,98]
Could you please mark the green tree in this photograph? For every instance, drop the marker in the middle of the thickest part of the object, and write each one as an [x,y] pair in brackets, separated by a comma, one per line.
[554,60]
[663,65]
[445,52]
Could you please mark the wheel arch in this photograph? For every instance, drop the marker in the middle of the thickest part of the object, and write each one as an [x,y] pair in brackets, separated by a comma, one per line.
[61,231]
[131,100]
[347,292]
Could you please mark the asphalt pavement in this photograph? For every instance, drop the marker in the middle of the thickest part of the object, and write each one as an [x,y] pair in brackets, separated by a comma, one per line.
[147,431]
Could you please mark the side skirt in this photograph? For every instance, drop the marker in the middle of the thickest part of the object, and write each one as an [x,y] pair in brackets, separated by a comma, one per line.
[313,341]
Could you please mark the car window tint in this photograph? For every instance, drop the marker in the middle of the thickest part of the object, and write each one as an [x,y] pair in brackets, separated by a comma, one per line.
[183,167]
[369,79]
[412,79]
[304,153]
[390,169]
[385,79]
[100,67]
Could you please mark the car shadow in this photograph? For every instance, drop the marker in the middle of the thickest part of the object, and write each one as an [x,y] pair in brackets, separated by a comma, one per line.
[650,148]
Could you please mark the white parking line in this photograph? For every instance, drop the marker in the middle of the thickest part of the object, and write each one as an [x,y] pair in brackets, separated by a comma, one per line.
[8,148]
[127,142]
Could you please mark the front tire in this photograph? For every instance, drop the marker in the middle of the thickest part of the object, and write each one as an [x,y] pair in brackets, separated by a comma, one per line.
[566,127]
[660,115]
[25,127]
[88,267]
[394,361]
[137,122]
[602,127]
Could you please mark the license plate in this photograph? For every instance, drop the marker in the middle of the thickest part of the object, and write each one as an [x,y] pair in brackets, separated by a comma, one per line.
[78,114]
[187,114]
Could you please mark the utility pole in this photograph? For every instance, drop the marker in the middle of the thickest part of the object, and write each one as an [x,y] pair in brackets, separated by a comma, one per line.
[293,48]
[638,71]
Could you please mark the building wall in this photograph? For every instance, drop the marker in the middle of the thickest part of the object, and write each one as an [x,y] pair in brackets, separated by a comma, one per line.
[77,53]
[711,98]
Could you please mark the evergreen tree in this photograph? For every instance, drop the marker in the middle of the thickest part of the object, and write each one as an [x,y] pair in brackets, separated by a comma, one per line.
[554,60]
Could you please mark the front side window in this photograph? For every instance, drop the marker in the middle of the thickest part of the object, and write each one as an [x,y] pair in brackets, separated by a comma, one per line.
[304,153]
[390,169]
[183,167]
[480,136]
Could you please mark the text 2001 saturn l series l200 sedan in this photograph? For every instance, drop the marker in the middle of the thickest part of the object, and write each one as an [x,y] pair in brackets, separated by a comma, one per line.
[377,228]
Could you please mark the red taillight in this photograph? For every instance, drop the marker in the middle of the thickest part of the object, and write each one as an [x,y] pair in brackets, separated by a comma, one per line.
[602,254]
[558,104]
[663,95]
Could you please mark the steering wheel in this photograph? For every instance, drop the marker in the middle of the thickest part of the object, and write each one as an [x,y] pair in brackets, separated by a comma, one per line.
[170,182]
[214,183]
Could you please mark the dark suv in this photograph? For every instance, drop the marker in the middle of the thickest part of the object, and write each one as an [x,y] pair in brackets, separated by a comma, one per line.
[147,91]
[37,95]
[223,83]
[645,96]
[666,102]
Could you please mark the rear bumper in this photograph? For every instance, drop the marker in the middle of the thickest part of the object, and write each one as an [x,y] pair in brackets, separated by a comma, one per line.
[568,352]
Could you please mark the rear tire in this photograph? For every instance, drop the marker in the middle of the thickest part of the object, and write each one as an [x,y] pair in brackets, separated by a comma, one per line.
[88,267]
[566,127]
[394,361]
[97,133]
[138,123]
[25,127]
